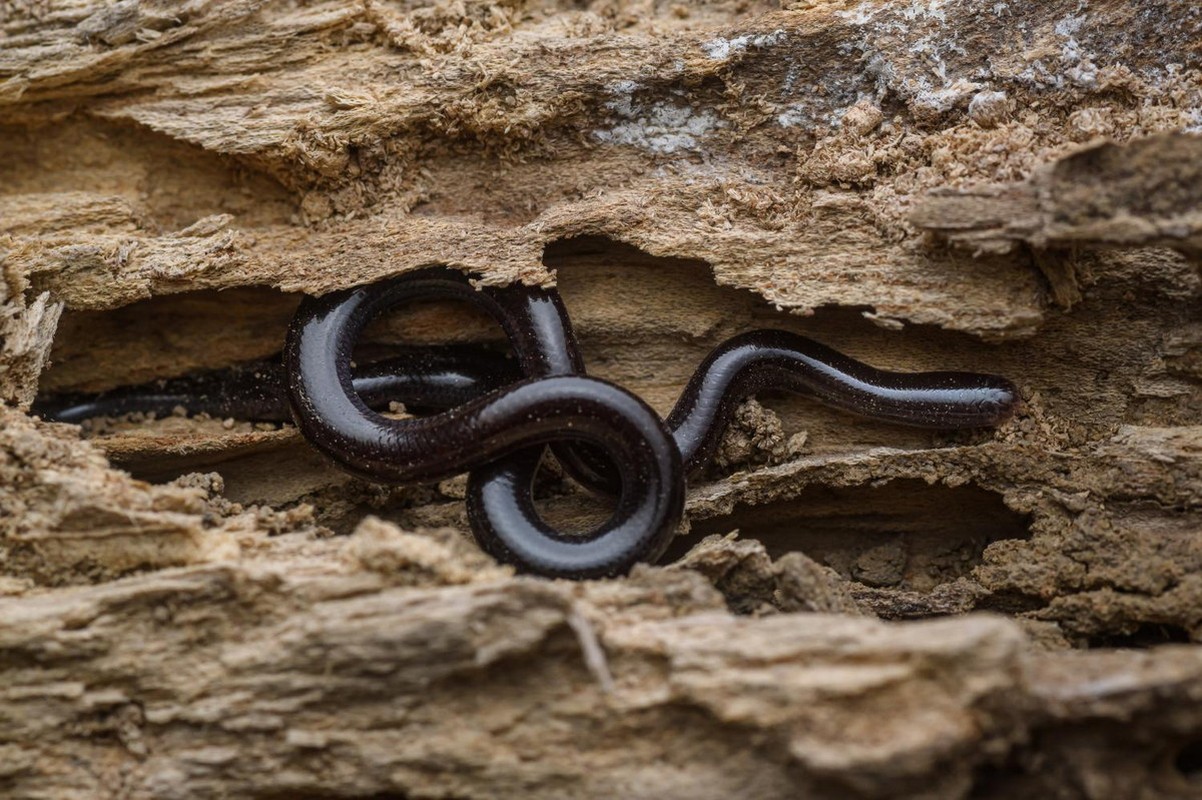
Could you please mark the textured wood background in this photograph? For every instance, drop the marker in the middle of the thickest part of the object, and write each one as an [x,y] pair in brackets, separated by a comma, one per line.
[204,608]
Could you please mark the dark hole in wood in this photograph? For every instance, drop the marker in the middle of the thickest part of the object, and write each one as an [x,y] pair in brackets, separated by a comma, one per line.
[1189,761]
[904,534]
[1011,603]
[1148,634]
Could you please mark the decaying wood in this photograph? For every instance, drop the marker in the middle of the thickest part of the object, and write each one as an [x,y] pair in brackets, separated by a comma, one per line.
[206,608]
[1144,193]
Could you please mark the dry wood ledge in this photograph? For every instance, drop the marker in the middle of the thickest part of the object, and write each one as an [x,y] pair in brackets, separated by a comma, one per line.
[200,608]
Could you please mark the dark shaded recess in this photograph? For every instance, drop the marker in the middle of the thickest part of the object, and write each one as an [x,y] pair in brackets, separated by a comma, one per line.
[1027,773]
[1188,762]
[562,252]
[1142,759]
[905,534]
[166,336]
[1011,602]
[1147,634]
[173,335]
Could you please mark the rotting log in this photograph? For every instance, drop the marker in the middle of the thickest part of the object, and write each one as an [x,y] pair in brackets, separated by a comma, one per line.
[205,608]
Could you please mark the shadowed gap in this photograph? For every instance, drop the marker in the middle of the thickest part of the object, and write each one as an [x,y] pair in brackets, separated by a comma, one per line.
[905,534]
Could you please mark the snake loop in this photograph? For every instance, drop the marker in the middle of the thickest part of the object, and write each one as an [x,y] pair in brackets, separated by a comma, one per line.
[502,431]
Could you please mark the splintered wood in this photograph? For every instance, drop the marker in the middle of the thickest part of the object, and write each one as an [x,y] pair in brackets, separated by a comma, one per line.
[194,607]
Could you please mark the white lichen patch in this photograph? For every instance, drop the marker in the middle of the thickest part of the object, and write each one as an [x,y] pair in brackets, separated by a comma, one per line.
[1079,66]
[917,11]
[860,15]
[663,127]
[1069,26]
[721,48]
[934,101]
[794,115]
[933,9]
[930,88]
[989,109]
